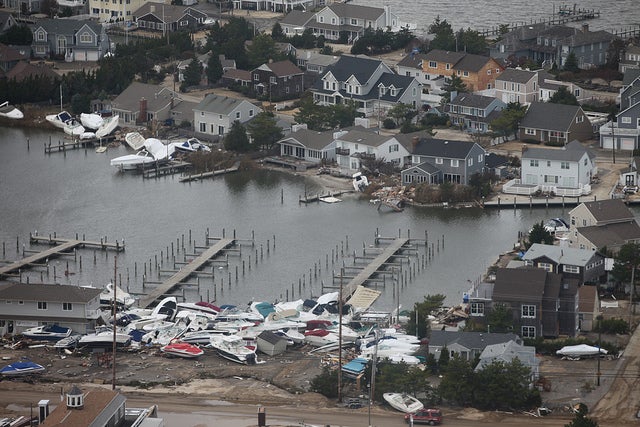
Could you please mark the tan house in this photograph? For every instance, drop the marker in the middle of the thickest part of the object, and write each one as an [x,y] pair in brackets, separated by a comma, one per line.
[555,123]
[476,71]
[588,308]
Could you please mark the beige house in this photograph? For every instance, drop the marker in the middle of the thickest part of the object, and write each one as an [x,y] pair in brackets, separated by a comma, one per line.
[588,308]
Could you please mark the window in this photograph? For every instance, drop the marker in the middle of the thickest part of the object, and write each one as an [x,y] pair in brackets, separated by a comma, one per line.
[438,160]
[251,113]
[333,21]
[533,163]
[548,163]
[488,72]
[564,165]
[470,161]
[465,73]
[237,114]
[86,38]
[529,311]
[579,119]
[528,332]
[321,19]
[454,163]
[393,148]
[203,127]
[256,77]
[477,309]
[42,305]
[433,64]
[67,306]
[626,120]
[273,80]
[40,37]
[546,266]
[571,269]
[354,21]
[529,131]
[448,66]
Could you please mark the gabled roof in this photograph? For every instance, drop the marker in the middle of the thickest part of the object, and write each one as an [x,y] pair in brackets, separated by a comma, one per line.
[49,293]
[23,70]
[471,62]
[559,255]
[473,100]
[413,60]
[425,167]
[572,152]
[588,299]
[310,138]
[8,54]
[316,58]
[168,12]
[283,68]
[630,75]
[362,68]
[525,284]
[443,148]
[67,26]
[444,56]
[219,104]
[297,18]
[400,83]
[516,75]
[549,116]
[609,209]
[364,137]
[236,74]
[348,10]
[611,234]
[507,352]
[470,340]
[157,97]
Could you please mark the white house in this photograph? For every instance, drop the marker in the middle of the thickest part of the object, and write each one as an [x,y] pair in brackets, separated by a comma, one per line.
[309,145]
[215,114]
[357,145]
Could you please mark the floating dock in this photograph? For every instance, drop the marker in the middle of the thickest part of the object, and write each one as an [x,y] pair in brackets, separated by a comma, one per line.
[187,270]
[206,175]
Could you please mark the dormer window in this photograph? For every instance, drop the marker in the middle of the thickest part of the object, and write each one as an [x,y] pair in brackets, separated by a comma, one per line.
[383,90]
[392,91]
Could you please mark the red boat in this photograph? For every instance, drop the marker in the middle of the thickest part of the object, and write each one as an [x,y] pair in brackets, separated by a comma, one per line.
[182,349]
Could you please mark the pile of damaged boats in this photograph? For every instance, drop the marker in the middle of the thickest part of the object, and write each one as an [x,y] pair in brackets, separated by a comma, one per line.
[186,330]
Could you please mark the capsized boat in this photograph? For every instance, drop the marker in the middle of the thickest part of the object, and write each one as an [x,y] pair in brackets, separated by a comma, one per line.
[360,182]
[109,125]
[23,367]
[9,111]
[134,140]
[59,120]
[182,349]
[91,120]
[47,332]
[233,348]
[403,402]
[123,298]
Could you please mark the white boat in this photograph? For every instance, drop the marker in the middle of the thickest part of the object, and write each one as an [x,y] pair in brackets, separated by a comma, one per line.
[199,307]
[360,182]
[233,348]
[9,111]
[47,332]
[103,338]
[69,342]
[403,402]
[191,145]
[133,161]
[320,337]
[89,135]
[168,307]
[158,149]
[556,225]
[73,127]
[134,140]
[123,298]
[201,337]
[91,120]
[24,367]
[580,350]
[109,125]
[59,120]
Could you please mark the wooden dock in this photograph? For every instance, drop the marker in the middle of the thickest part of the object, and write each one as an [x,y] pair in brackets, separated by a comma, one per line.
[172,167]
[75,144]
[62,247]
[316,198]
[211,174]
[187,270]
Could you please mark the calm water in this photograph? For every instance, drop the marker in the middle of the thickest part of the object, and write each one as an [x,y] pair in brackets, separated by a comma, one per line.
[79,192]
[485,14]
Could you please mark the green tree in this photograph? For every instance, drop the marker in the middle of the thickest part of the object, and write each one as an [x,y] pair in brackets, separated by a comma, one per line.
[421,312]
[402,113]
[214,68]
[505,386]
[508,122]
[237,139]
[17,35]
[615,52]
[455,84]
[49,7]
[538,234]
[325,383]
[456,384]
[264,130]
[626,262]
[263,49]
[444,359]
[343,115]
[310,113]
[192,74]
[580,419]
[571,63]
[500,319]
[471,41]
[481,183]
[277,33]
[563,96]
[444,37]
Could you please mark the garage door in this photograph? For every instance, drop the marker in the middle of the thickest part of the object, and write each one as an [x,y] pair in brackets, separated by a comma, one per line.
[607,143]
[627,144]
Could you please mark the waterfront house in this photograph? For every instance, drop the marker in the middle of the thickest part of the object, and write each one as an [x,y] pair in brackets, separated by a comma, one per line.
[518,85]
[562,171]
[554,123]
[313,62]
[153,16]
[603,223]
[457,161]
[467,345]
[588,308]
[585,265]
[421,173]
[215,114]
[630,177]
[477,72]
[624,133]
[69,39]
[358,145]
[368,82]
[474,112]
[412,66]
[308,145]
[280,6]
[144,103]
[630,60]
[24,306]
[277,80]
[508,352]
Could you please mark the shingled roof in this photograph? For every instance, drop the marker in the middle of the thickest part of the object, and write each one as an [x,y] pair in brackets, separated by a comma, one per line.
[51,293]
[573,151]
[549,116]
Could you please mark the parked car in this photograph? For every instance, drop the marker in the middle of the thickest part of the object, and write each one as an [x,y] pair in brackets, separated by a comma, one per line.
[425,416]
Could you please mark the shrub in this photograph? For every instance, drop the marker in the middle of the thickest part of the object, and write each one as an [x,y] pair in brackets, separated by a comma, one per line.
[389,123]
[612,326]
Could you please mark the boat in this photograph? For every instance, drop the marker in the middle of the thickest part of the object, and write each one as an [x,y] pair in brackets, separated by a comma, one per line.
[360,182]
[233,348]
[556,225]
[201,337]
[59,120]
[133,161]
[320,337]
[69,342]
[182,349]
[191,145]
[91,120]
[403,402]
[103,338]
[23,367]
[580,350]
[47,332]
[88,135]
[109,125]
[123,298]
[9,111]
[199,307]
[134,140]
[168,307]
[73,127]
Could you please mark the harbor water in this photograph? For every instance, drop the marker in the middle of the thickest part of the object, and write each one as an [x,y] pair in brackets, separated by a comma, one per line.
[78,193]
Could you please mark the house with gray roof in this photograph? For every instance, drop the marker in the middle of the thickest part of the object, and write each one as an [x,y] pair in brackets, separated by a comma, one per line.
[278,80]
[467,345]
[477,72]
[314,62]
[624,132]
[69,39]
[6,21]
[153,16]
[508,352]
[295,22]
[456,160]
[9,57]
[585,265]
[411,66]
[518,85]
[426,173]
[29,305]
[357,145]
[603,223]
[141,103]
[554,123]
[279,6]
[369,82]
[308,145]
[565,171]
[215,114]
[472,112]
[630,60]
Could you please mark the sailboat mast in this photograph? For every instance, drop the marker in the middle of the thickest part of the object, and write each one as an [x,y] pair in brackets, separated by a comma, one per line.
[60,97]
[115,287]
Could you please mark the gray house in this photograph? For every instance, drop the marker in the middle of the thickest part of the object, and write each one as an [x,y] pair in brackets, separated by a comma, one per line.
[509,351]
[582,264]
[310,146]
[555,123]
[69,39]
[168,17]
[624,133]
[215,114]
[27,306]
[474,112]
[467,345]
[143,103]
[456,160]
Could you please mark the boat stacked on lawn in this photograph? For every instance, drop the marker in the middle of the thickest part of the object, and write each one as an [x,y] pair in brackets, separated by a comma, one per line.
[10,112]
[182,349]
[47,333]
[21,368]
[60,119]
[91,121]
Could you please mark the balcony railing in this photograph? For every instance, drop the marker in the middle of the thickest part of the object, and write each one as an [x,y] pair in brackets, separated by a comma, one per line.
[343,151]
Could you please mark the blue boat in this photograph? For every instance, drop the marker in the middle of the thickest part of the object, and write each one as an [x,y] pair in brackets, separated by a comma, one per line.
[23,367]
[355,368]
